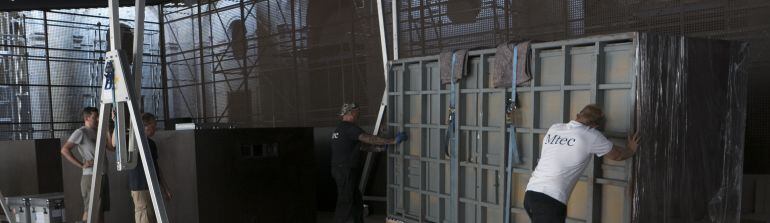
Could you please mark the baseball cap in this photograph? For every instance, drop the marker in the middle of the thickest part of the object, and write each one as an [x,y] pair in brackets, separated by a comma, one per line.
[347,107]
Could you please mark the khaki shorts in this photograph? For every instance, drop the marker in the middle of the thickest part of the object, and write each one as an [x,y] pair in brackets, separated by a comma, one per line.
[85,191]
[143,209]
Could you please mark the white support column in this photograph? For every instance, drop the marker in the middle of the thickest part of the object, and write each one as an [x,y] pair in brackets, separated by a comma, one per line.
[114,16]
[94,201]
[138,49]
[394,13]
[383,102]
[383,41]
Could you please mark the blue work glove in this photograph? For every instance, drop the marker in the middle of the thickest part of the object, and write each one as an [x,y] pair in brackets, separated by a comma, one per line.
[401,137]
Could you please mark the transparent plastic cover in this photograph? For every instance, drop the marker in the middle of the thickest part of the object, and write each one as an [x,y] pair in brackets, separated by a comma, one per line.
[691,110]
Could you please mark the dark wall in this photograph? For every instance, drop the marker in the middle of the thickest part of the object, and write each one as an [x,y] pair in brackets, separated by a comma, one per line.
[213,179]
[239,175]
[176,159]
[49,173]
[326,189]
[30,167]
[240,168]
[286,188]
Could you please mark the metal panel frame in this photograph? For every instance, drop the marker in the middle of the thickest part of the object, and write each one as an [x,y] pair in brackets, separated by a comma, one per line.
[475,126]
[479,72]
[594,178]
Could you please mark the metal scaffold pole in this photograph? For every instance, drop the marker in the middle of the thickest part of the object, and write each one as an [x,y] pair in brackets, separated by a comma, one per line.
[384,103]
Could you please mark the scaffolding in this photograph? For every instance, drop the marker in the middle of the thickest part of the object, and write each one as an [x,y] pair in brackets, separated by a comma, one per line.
[52,67]
[14,95]
[297,67]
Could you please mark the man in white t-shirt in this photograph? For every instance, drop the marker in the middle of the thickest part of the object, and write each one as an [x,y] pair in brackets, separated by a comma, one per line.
[84,139]
[566,151]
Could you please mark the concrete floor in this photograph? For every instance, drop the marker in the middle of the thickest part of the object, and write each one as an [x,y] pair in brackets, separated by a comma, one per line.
[323,217]
[328,217]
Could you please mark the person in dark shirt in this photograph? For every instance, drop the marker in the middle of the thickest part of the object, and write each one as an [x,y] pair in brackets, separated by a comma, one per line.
[137,182]
[346,166]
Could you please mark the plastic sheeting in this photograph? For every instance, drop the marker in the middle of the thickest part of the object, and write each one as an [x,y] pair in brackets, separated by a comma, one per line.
[691,115]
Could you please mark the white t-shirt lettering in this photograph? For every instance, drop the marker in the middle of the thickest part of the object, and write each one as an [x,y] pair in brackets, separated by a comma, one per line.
[566,151]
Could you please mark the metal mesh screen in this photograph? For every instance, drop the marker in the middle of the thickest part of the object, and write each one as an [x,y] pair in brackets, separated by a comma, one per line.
[303,58]
[428,26]
[51,66]
[296,61]
[293,64]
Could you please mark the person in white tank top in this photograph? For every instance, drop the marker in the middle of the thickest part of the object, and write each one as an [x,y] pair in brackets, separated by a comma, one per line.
[566,151]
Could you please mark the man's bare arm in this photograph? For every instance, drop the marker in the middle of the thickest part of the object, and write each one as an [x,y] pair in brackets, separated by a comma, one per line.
[619,153]
[373,148]
[110,145]
[66,152]
[375,140]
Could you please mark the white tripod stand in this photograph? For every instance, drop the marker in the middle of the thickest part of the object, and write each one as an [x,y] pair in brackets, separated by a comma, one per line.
[121,89]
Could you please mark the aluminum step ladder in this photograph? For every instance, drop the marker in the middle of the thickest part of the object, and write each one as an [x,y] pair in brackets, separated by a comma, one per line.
[121,88]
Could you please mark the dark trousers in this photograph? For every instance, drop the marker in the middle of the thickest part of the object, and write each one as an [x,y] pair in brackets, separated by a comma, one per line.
[350,204]
[542,208]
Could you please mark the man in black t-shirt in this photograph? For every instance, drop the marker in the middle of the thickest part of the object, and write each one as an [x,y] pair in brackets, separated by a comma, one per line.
[144,212]
[346,166]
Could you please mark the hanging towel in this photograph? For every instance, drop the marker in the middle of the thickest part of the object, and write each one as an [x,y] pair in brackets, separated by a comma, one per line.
[502,70]
[445,63]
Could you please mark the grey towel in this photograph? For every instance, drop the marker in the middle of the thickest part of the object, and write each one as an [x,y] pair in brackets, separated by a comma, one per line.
[445,63]
[502,70]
